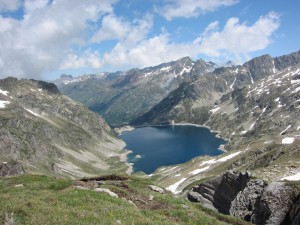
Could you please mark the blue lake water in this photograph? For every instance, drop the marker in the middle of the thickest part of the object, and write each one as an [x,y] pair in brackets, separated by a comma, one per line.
[168,145]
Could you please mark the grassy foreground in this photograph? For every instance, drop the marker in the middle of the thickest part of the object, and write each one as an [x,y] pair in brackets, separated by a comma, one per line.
[49,200]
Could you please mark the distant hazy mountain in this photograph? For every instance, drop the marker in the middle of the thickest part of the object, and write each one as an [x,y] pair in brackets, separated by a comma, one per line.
[122,96]
[48,133]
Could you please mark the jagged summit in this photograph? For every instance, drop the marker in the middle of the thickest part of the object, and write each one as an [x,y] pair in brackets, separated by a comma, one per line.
[189,102]
[66,76]
[230,63]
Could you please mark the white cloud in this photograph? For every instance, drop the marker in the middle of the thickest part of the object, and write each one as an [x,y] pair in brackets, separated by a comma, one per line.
[112,28]
[88,60]
[117,28]
[31,5]
[62,34]
[238,38]
[45,36]
[191,8]
[9,5]
[234,41]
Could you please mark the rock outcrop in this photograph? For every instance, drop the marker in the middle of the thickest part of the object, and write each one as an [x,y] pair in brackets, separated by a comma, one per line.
[156,189]
[244,203]
[11,169]
[218,193]
[253,200]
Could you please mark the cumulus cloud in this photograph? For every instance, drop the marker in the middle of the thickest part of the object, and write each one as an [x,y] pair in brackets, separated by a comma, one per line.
[65,35]
[45,36]
[148,52]
[112,28]
[90,59]
[238,38]
[9,5]
[191,8]
[235,41]
[31,5]
[117,28]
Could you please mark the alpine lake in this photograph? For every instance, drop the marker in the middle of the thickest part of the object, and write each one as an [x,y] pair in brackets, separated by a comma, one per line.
[157,146]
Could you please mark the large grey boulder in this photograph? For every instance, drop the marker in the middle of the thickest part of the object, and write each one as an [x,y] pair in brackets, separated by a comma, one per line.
[271,204]
[105,190]
[250,199]
[218,193]
[244,203]
[156,188]
[274,204]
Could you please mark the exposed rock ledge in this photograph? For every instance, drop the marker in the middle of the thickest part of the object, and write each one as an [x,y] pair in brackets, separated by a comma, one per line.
[251,199]
[10,169]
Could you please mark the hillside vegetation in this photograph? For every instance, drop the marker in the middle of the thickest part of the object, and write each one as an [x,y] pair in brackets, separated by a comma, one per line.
[35,199]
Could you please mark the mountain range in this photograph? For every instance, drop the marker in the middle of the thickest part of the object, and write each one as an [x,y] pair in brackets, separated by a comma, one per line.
[122,96]
[254,106]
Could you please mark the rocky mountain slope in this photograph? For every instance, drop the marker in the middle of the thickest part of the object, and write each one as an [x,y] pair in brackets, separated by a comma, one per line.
[255,106]
[262,125]
[267,110]
[48,133]
[192,101]
[123,96]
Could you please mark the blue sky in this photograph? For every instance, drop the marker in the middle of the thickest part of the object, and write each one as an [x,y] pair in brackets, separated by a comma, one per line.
[42,39]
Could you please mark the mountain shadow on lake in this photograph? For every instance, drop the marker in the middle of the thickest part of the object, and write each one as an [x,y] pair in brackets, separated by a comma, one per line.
[168,145]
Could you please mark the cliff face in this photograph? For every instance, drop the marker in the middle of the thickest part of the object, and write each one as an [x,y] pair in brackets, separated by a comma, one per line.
[251,199]
[218,193]
[49,133]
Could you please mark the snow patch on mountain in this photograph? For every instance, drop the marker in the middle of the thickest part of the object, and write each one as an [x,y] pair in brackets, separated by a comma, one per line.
[223,159]
[3,92]
[173,187]
[165,68]
[214,110]
[33,113]
[287,140]
[231,86]
[294,177]
[185,70]
[288,127]
[197,171]
[3,103]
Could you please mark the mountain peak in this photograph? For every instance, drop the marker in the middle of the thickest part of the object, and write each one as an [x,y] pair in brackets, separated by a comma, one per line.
[50,87]
[66,76]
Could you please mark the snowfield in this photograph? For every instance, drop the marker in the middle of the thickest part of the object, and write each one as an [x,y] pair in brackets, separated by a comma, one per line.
[197,171]
[287,140]
[174,187]
[3,92]
[3,103]
[294,177]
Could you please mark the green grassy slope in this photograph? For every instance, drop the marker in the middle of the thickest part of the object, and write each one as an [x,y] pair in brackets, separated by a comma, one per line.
[50,200]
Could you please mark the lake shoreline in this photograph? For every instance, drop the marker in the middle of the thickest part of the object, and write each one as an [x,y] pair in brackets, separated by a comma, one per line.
[122,131]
